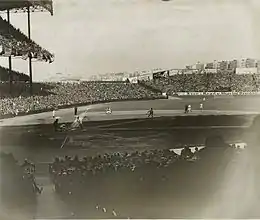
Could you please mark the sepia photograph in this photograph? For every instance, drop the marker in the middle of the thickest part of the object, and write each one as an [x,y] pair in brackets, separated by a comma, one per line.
[129,109]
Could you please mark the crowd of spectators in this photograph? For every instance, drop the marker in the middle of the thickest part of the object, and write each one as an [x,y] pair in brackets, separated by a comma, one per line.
[141,184]
[15,43]
[18,186]
[49,96]
[126,183]
[206,82]
[16,76]
[52,95]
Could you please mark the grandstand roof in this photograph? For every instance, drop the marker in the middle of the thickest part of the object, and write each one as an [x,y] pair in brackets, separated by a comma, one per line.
[15,43]
[23,4]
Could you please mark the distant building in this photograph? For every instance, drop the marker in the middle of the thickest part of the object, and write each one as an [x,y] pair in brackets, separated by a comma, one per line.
[223,65]
[258,66]
[232,65]
[247,63]
[250,63]
[174,72]
[215,64]
[210,71]
[199,66]
[145,76]
[241,63]
[209,66]
[191,67]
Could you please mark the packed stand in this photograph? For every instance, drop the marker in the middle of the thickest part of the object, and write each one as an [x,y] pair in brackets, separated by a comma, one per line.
[244,83]
[17,44]
[123,181]
[222,82]
[16,76]
[208,82]
[49,96]
[105,180]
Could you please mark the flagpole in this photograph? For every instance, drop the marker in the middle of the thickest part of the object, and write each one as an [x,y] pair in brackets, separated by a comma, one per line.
[10,58]
[30,55]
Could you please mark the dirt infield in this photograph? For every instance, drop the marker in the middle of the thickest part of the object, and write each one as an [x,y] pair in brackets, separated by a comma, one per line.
[41,143]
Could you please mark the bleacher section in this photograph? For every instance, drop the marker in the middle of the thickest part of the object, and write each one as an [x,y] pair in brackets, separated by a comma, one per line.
[219,82]
[49,96]
[16,76]
[15,43]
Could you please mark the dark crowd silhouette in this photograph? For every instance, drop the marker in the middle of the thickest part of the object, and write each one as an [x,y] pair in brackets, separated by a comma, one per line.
[146,184]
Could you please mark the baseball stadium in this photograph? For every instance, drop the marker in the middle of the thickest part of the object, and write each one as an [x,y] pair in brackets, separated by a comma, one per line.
[164,147]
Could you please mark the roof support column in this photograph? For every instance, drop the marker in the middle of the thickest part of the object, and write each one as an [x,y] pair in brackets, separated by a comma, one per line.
[30,55]
[10,58]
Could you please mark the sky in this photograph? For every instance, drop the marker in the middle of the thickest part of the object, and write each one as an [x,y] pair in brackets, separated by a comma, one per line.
[91,37]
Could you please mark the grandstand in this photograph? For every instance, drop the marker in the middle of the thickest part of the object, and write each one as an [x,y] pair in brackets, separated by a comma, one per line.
[16,44]
[17,76]
[49,95]
[20,44]
[204,82]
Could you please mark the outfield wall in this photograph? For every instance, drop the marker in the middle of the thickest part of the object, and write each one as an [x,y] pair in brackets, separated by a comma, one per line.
[217,93]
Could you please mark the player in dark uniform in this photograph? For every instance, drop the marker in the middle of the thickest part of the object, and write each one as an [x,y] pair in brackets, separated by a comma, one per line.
[150,113]
[186,109]
[75,110]
[56,124]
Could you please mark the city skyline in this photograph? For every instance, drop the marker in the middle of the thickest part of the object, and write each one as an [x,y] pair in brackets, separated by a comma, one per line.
[239,63]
